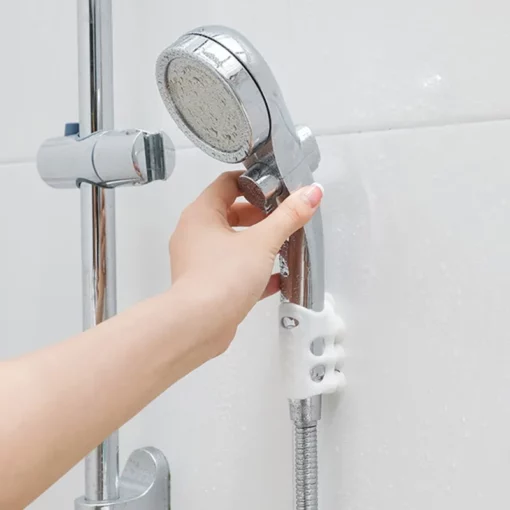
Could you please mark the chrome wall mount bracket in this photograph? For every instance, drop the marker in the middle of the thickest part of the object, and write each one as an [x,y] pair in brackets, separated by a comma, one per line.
[109,159]
[105,160]
[144,484]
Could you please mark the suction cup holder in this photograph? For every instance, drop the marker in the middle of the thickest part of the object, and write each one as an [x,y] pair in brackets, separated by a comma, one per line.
[309,370]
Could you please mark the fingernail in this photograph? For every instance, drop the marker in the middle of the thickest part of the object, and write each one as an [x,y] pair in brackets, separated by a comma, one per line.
[313,194]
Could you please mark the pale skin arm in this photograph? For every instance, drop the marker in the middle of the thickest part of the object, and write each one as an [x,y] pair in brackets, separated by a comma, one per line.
[60,402]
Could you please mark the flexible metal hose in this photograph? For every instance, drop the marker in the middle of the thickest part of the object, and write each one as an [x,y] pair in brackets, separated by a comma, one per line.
[306,467]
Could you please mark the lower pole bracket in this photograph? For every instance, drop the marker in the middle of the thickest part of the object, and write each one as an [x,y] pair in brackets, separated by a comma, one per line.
[144,484]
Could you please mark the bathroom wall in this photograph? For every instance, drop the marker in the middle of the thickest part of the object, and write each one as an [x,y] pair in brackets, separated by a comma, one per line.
[410,101]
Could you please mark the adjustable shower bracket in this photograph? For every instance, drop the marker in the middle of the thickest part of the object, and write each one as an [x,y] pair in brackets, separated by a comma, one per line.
[144,484]
[311,354]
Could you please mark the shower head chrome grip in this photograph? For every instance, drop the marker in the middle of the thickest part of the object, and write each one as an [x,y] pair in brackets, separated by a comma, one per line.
[224,97]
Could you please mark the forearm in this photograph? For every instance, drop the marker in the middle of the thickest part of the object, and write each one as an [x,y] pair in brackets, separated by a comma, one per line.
[60,402]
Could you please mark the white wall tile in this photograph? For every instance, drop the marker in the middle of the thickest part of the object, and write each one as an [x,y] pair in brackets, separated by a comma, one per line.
[351,65]
[417,256]
[415,226]
[40,280]
[39,68]
[40,261]
[343,66]
[417,253]
[39,72]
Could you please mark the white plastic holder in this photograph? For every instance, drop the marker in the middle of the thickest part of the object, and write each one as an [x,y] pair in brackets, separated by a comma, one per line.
[299,329]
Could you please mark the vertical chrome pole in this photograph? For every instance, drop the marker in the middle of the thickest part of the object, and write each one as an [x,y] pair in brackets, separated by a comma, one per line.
[97,216]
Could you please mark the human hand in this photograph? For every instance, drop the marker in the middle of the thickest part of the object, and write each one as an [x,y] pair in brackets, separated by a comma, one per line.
[226,270]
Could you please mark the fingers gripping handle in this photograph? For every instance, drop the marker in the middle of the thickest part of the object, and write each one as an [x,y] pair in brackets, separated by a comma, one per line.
[299,328]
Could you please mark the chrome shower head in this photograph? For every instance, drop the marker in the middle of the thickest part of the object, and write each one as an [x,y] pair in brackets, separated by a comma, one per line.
[223,96]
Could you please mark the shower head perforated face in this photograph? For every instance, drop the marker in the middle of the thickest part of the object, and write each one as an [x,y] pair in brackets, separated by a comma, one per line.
[221,121]
[213,98]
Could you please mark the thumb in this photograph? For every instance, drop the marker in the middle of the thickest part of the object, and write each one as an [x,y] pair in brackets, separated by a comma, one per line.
[292,214]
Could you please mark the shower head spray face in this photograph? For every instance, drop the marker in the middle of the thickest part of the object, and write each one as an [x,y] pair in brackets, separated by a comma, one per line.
[220,122]
[212,98]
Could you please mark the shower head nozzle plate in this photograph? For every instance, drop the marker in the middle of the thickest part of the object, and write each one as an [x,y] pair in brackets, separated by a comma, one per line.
[213,98]
[219,121]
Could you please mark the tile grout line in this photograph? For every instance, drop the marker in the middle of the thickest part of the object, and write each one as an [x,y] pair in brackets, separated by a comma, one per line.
[16,161]
[411,127]
[325,133]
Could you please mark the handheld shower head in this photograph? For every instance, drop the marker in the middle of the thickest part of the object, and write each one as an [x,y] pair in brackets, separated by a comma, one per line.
[224,97]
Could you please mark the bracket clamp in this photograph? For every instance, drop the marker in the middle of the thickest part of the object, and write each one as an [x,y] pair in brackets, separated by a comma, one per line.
[144,484]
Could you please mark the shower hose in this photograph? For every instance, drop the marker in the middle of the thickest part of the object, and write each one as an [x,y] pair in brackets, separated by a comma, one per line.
[306,467]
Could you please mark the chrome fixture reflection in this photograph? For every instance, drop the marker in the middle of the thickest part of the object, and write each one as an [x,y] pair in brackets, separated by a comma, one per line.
[223,96]
[96,158]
